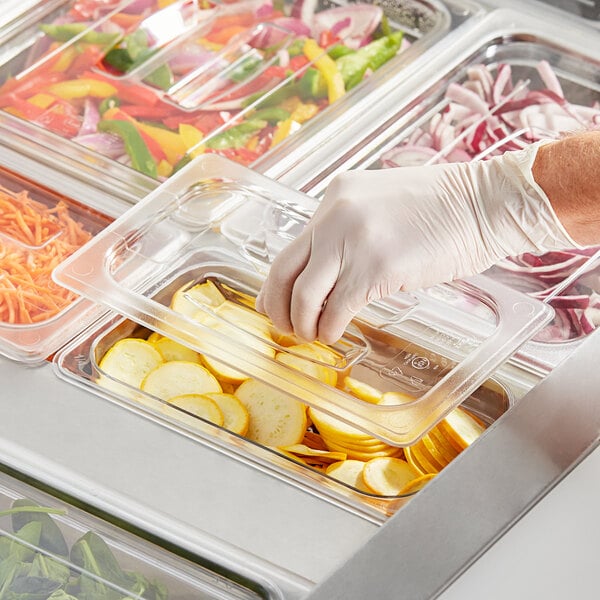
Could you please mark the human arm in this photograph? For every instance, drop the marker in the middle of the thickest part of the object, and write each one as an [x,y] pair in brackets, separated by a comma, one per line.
[569,173]
[378,232]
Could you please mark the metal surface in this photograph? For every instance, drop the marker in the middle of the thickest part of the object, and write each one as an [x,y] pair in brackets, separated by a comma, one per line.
[170,485]
[434,538]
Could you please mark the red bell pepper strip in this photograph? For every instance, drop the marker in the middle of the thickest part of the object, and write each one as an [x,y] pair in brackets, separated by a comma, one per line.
[31,83]
[127,92]
[61,119]
[26,109]
[155,113]
[89,56]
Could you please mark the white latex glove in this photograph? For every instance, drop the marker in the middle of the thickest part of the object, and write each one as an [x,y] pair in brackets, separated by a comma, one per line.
[378,232]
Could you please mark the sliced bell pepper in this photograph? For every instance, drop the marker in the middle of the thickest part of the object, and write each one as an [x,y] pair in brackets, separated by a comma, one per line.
[42,100]
[116,114]
[327,67]
[155,113]
[326,39]
[88,56]
[192,138]
[272,115]
[164,169]
[304,112]
[222,36]
[170,141]
[82,88]
[236,136]
[283,130]
[312,86]
[66,58]
[130,93]
[141,159]
[61,119]
[65,31]
[23,108]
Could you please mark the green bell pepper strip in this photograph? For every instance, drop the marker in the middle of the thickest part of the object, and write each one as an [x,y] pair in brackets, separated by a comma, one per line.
[107,103]
[66,31]
[352,65]
[382,50]
[339,50]
[236,136]
[267,99]
[272,115]
[141,159]
[312,85]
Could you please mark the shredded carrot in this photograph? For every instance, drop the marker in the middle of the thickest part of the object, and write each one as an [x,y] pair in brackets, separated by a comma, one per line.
[34,239]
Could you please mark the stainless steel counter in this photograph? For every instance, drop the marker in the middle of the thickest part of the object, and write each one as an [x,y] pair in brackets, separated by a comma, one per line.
[170,485]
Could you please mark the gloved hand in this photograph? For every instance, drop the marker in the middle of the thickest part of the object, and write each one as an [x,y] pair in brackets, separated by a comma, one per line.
[378,232]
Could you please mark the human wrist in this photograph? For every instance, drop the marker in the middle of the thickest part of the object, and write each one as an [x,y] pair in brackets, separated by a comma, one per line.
[566,170]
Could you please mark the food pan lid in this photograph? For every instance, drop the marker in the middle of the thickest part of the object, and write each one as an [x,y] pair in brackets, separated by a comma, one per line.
[152,85]
[49,546]
[39,229]
[216,220]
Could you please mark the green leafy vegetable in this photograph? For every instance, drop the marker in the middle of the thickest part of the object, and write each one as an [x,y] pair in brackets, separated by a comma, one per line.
[32,567]
[51,538]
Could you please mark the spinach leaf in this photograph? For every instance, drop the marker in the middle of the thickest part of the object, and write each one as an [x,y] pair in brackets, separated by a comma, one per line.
[51,538]
[29,533]
[92,554]
[32,588]
[46,567]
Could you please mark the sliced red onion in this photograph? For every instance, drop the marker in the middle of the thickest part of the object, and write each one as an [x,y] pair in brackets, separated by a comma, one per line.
[103,143]
[285,28]
[549,78]
[351,23]
[304,10]
[138,6]
[264,11]
[407,156]
[91,117]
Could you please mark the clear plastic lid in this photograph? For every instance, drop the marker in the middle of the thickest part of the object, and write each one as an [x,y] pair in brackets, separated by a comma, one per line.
[153,84]
[50,549]
[302,445]
[513,89]
[39,229]
[208,237]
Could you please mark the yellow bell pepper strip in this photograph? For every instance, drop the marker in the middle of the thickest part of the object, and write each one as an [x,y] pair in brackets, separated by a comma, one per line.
[282,131]
[141,159]
[66,58]
[82,88]
[304,112]
[42,100]
[164,169]
[170,142]
[192,138]
[327,67]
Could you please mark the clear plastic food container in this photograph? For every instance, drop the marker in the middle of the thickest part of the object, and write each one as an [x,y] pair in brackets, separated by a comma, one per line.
[514,87]
[39,228]
[186,264]
[152,84]
[50,549]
